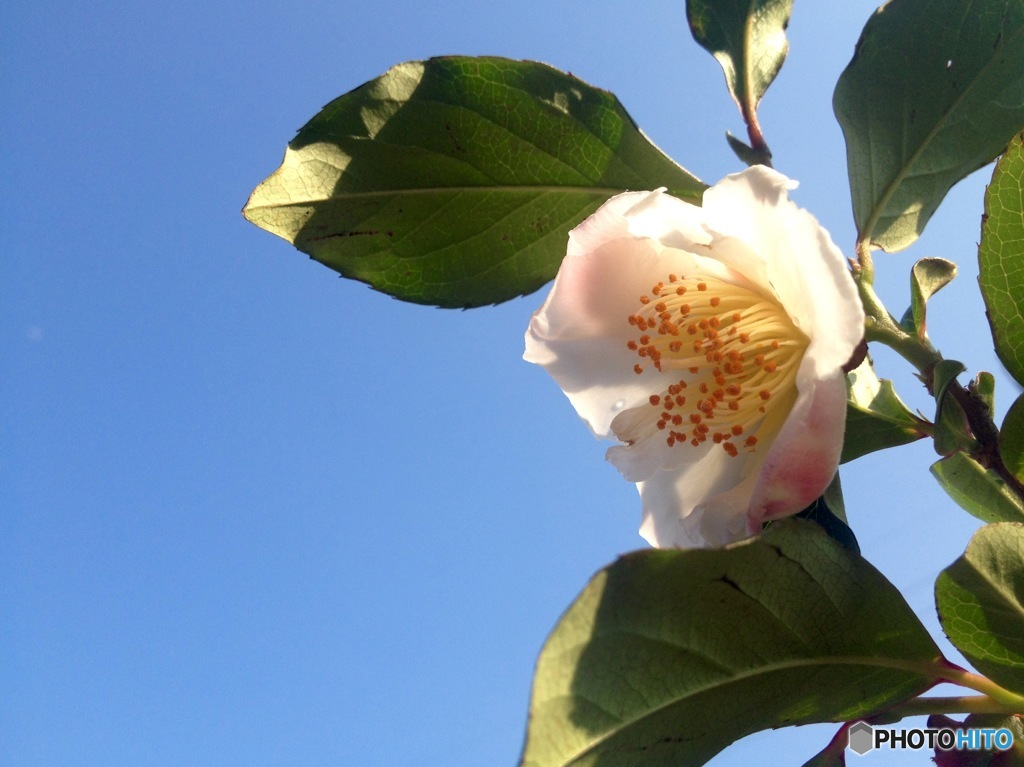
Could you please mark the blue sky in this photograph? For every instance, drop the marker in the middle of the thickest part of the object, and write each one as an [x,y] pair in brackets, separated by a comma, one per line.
[255,514]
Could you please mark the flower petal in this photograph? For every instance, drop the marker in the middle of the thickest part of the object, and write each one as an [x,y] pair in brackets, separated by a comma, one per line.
[802,264]
[773,317]
[804,456]
[579,335]
[700,504]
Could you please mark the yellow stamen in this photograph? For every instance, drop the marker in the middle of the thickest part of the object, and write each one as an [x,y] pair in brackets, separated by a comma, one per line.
[743,359]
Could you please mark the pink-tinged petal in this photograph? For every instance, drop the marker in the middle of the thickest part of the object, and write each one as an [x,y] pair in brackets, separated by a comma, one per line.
[579,335]
[606,224]
[748,313]
[804,456]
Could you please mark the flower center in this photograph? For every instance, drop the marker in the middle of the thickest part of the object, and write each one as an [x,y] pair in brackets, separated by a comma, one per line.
[738,351]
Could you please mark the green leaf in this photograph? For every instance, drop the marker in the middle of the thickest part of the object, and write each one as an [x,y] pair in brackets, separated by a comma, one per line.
[980,598]
[876,417]
[748,38]
[455,181]
[976,490]
[952,430]
[1011,439]
[668,656]
[746,153]
[934,91]
[928,277]
[985,758]
[984,388]
[1001,258]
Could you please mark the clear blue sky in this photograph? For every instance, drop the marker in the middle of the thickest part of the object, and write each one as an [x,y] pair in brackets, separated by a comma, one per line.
[253,514]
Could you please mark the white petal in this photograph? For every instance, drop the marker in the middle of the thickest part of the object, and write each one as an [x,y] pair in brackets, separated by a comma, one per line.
[579,335]
[801,263]
[676,504]
[750,233]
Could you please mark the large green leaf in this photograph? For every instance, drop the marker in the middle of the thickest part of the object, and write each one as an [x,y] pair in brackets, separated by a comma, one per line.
[980,598]
[978,491]
[876,417]
[1001,258]
[748,37]
[934,91]
[455,181]
[668,656]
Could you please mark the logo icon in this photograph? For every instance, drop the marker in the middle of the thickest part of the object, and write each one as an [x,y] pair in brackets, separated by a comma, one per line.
[861,738]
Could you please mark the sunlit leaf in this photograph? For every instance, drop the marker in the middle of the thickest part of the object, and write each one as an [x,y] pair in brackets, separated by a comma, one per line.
[455,181]
[1001,258]
[980,598]
[876,417]
[748,38]
[934,91]
[670,655]
[977,490]
[928,277]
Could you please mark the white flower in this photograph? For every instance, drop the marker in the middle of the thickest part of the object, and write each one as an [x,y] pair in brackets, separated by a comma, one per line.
[710,342]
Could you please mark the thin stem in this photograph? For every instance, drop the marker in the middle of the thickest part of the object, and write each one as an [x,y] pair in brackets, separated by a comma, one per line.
[984,685]
[754,134]
[865,263]
[962,704]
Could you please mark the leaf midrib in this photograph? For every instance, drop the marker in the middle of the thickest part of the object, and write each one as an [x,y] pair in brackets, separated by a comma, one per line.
[931,670]
[489,189]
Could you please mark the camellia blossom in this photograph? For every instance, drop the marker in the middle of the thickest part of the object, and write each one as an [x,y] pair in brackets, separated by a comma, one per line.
[709,341]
